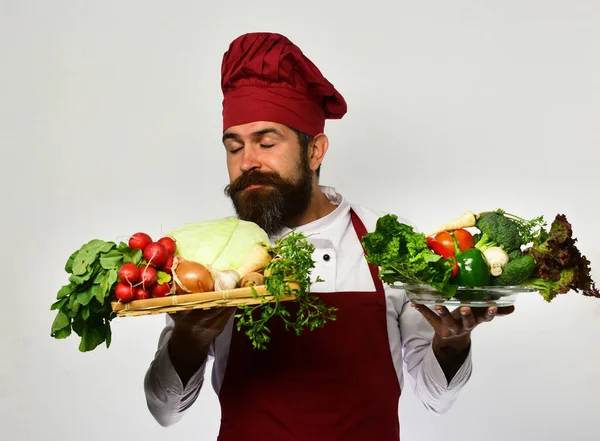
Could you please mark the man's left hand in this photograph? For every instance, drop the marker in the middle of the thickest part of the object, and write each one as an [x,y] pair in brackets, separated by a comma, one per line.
[453,331]
[454,327]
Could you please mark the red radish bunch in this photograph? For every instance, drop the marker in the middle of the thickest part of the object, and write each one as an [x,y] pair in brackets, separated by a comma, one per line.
[138,282]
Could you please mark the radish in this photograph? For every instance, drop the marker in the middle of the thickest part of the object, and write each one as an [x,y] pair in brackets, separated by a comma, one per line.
[148,277]
[169,244]
[140,294]
[139,241]
[124,292]
[168,266]
[160,290]
[156,254]
[130,273]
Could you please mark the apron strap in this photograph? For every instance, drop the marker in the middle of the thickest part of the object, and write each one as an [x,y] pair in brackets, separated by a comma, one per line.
[361,230]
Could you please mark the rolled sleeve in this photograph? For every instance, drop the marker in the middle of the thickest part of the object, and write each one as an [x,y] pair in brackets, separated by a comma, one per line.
[166,397]
[436,393]
[425,373]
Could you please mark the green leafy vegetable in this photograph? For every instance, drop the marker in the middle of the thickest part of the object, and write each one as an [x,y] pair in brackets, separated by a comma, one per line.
[560,266]
[292,265]
[83,305]
[403,256]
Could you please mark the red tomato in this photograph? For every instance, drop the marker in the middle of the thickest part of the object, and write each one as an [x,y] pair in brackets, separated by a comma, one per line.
[454,268]
[442,250]
[439,248]
[445,238]
[464,239]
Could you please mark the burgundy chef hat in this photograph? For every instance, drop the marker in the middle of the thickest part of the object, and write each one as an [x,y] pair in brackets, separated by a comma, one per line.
[265,77]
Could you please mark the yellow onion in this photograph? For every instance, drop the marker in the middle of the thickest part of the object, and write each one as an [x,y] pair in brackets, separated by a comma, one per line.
[191,277]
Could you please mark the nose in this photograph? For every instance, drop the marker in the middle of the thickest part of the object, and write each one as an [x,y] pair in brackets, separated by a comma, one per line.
[250,159]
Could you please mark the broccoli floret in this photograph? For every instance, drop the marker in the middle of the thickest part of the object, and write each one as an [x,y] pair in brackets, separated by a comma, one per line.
[515,271]
[498,230]
[483,242]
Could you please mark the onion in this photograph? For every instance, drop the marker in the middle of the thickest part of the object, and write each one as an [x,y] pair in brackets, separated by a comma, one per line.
[190,276]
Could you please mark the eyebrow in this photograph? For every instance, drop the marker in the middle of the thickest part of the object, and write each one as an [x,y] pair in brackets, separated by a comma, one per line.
[256,134]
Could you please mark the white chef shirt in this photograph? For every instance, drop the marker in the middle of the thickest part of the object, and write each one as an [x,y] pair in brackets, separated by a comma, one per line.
[345,269]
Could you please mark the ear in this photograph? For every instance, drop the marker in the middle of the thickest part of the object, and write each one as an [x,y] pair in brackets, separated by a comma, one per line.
[317,150]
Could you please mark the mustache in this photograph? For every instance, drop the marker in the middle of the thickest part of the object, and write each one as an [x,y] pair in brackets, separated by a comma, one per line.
[253,178]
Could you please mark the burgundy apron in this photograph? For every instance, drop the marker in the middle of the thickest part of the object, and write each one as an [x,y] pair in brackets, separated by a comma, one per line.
[333,383]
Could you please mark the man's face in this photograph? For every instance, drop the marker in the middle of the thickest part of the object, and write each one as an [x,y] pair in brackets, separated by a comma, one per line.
[270,177]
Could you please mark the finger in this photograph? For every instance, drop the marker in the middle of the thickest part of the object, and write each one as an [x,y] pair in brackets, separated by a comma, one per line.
[505,310]
[447,320]
[433,319]
[468,319]
[487,314]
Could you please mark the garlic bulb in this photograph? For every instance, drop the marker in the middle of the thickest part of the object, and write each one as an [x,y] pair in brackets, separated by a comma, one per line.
[226,279]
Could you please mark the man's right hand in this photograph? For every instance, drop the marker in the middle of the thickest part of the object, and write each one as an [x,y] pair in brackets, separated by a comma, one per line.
[192,335]
[202,325]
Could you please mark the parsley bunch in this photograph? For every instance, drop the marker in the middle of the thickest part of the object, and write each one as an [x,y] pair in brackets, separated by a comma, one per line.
[292,264]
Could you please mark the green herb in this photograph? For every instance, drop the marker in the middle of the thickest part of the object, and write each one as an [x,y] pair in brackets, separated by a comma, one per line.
[83,305]
[291,265]
[403,256]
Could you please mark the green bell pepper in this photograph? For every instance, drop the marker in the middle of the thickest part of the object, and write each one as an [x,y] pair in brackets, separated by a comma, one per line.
[473,269]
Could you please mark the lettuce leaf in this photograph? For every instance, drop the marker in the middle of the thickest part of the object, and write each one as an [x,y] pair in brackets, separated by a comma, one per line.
[402,256]
[560,265]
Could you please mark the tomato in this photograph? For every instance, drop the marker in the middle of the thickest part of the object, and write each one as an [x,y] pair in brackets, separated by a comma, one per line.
[445,239]
[455,267]
[442,250]
[439,248]
[464,239]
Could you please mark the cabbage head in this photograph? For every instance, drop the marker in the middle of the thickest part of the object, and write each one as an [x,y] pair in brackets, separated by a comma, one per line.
[222,243]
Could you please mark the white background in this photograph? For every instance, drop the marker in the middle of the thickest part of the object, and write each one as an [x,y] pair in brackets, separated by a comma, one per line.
[110,124]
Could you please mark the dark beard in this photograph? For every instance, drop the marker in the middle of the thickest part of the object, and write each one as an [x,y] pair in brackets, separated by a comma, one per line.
[273,206]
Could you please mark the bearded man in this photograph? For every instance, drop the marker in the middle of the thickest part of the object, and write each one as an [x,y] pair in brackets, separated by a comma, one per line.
[340,382]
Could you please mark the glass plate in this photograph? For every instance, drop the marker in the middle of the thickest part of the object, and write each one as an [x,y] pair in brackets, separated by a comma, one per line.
[483,296]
